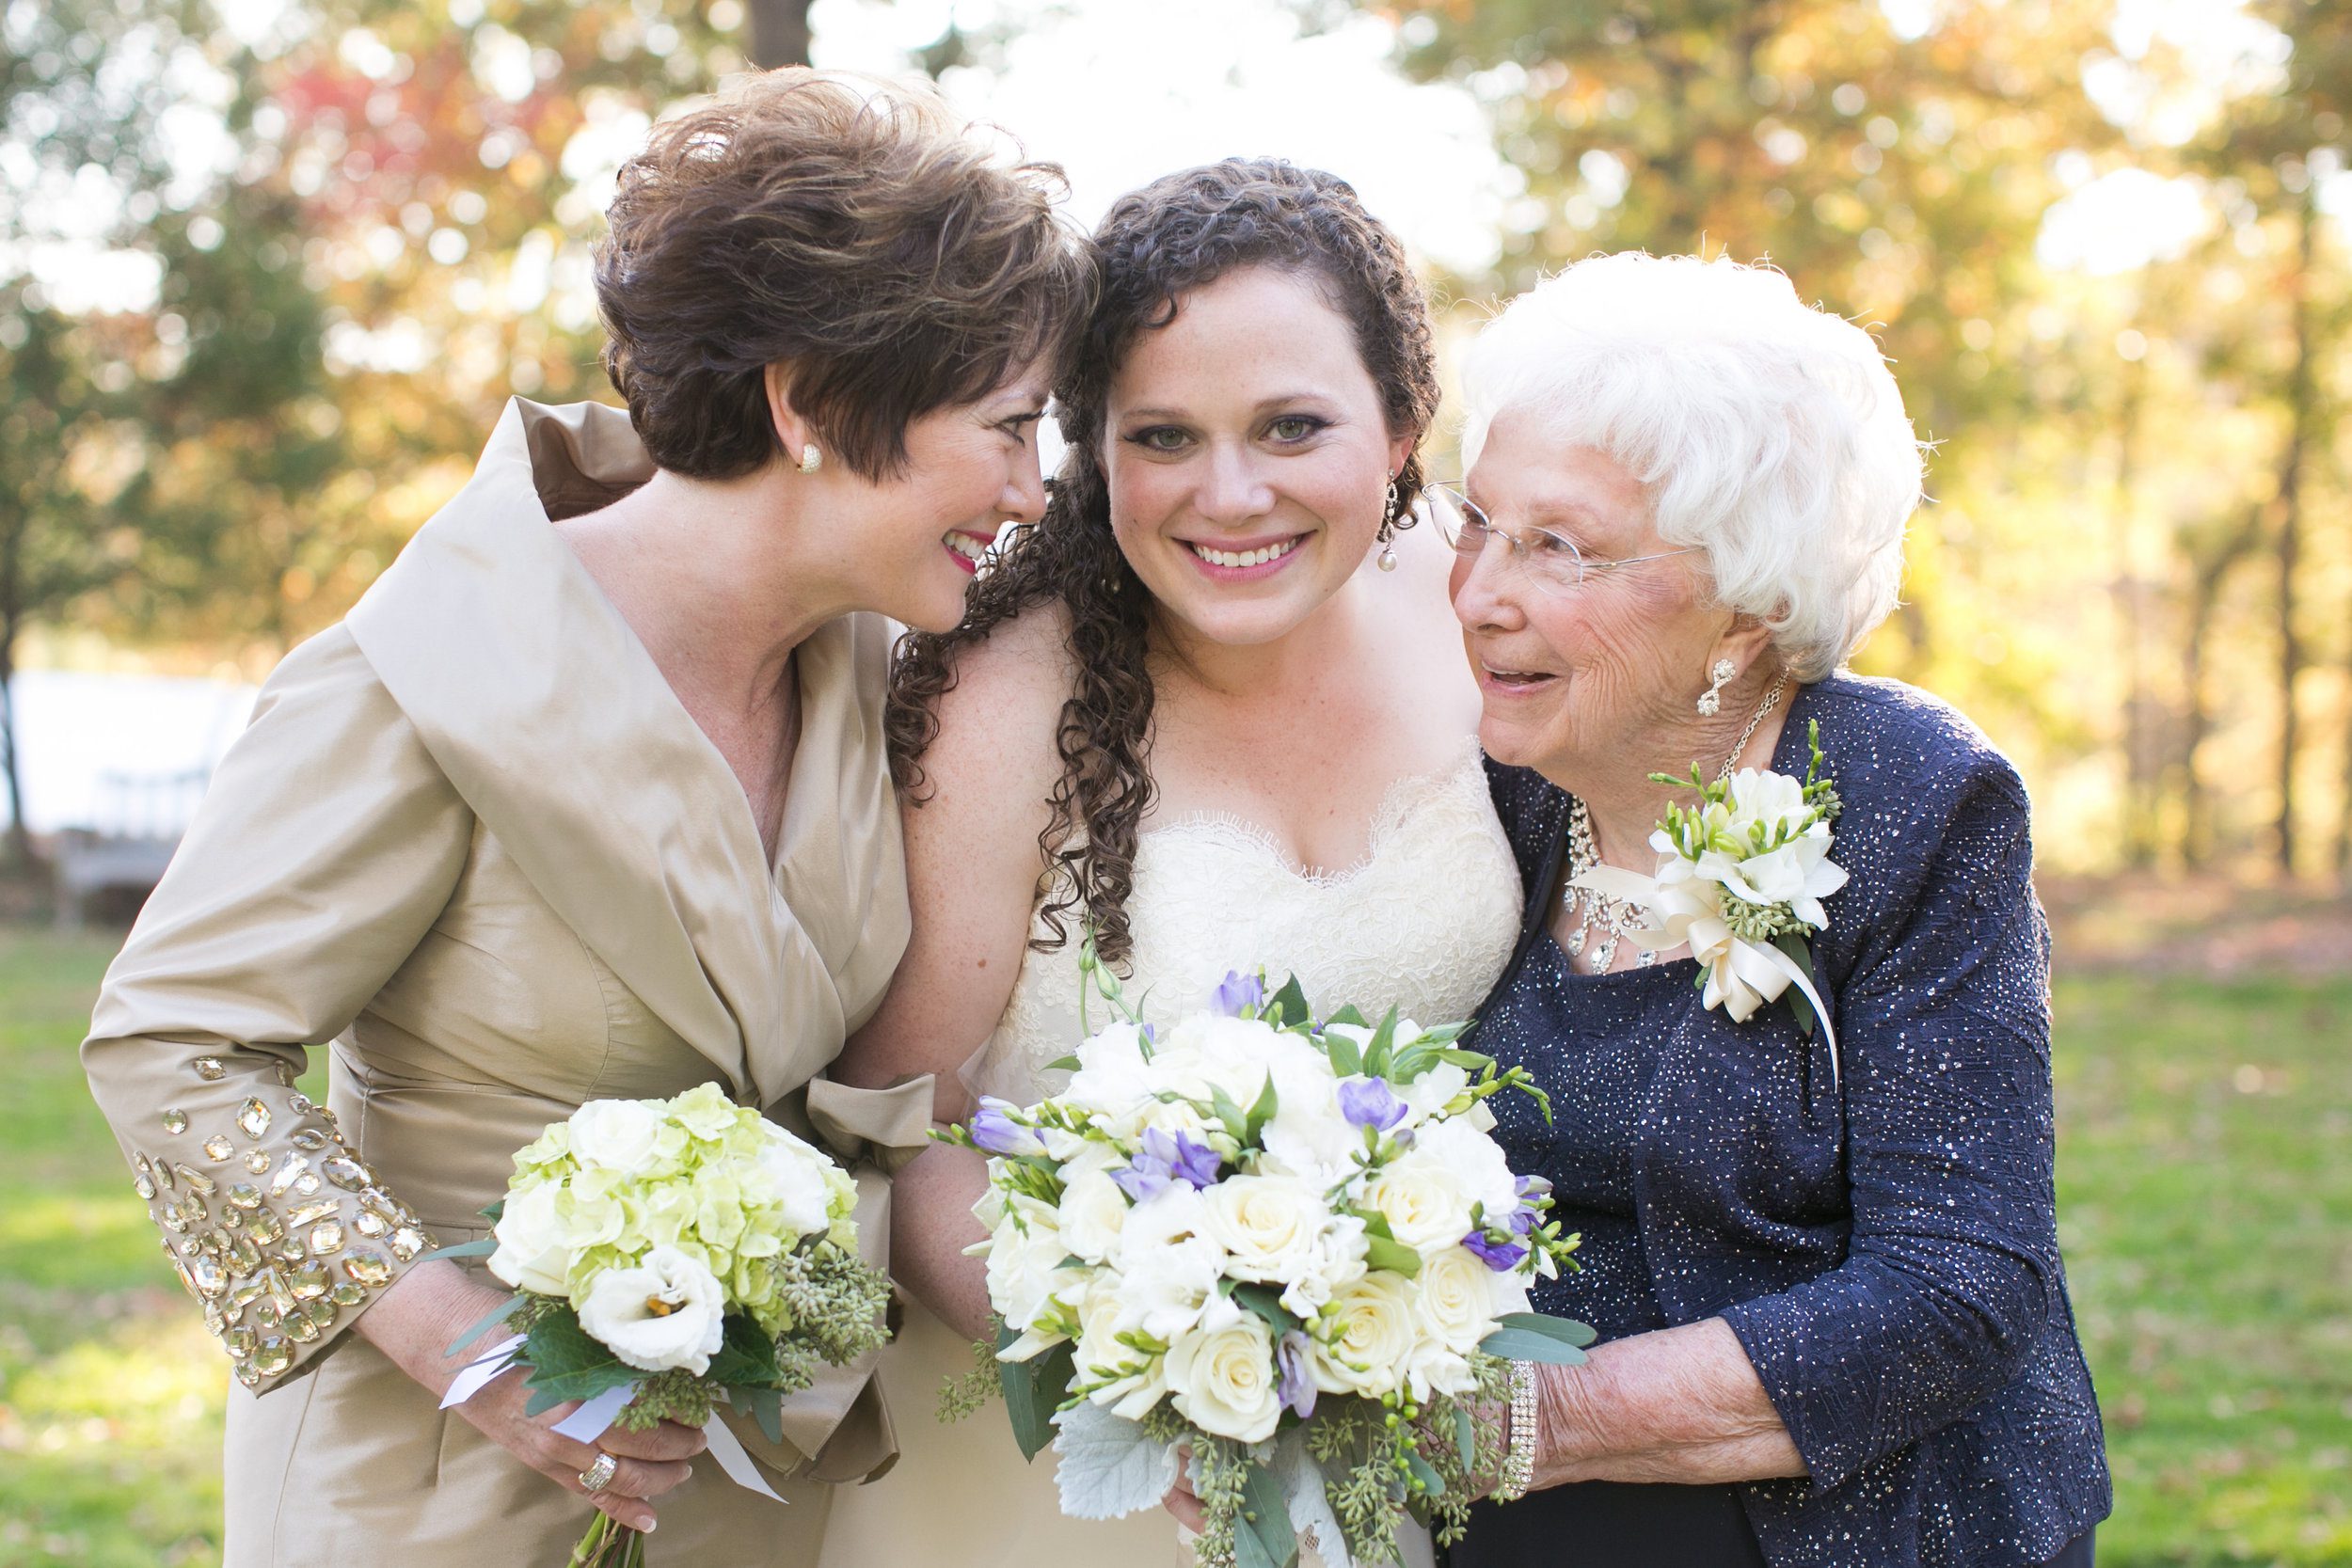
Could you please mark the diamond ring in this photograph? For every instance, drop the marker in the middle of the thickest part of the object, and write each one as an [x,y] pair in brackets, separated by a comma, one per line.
[598,1476]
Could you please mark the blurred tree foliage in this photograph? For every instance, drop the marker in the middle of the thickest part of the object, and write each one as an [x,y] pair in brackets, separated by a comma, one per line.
[365,224]
[2115,444]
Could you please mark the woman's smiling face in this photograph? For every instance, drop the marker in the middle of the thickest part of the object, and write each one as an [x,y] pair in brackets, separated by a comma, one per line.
[1247,456]
[1579,680]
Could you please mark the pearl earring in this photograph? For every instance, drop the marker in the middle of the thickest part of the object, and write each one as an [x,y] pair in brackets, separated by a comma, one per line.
[1388,531]
[1711,699]
[811,459]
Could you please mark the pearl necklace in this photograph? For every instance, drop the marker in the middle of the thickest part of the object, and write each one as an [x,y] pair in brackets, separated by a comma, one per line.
[1612,917]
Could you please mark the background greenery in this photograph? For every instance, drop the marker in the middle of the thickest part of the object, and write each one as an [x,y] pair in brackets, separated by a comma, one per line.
[2205,1201]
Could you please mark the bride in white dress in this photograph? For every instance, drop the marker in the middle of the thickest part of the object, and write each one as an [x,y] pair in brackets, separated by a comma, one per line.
[1218,707]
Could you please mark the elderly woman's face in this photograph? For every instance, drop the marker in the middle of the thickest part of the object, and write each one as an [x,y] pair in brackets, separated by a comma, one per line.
[1247,456]
[1578,678]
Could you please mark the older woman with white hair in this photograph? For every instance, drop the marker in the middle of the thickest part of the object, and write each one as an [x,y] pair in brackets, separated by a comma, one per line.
[1800,1113]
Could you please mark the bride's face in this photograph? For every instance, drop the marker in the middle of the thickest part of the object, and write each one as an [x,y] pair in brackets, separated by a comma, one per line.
[1247,456]
[1578,680]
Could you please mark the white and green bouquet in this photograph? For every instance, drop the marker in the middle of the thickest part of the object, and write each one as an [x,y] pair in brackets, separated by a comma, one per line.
[1288,1247]
[667,1257]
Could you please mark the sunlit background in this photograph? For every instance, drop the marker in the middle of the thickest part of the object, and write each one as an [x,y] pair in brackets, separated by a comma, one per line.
[269,268]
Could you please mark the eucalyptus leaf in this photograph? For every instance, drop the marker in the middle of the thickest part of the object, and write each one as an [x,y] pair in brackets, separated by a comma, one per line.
[482,1248]
[1270,1529]
[504,1311]
[1566,1330]
[1033,1389]
[1518,1344]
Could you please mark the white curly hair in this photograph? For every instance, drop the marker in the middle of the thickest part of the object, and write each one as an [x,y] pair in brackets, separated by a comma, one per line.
[1767,432]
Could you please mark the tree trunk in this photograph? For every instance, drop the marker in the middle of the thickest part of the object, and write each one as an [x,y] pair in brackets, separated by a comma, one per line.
[2302,411]
[2142,759]
[779,32]
[11,623]
[2197,721]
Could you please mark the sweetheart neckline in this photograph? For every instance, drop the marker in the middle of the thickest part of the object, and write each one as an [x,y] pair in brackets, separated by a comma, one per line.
[1396,804]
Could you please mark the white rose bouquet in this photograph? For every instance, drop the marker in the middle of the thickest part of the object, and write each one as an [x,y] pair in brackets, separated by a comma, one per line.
[1290,1248]
[667,1256]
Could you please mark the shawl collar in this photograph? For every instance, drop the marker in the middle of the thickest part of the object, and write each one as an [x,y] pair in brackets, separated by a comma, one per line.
[554,724]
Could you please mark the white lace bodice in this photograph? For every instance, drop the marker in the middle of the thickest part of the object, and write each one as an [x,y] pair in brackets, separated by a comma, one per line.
[1424,922]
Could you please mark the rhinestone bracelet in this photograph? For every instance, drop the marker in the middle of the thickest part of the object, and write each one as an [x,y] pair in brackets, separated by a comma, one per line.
[1519,1457]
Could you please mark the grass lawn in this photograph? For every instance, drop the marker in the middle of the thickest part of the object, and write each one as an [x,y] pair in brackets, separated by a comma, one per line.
[2205,1177]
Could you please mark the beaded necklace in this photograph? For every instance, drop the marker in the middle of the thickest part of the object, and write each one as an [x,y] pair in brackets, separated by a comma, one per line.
[1612,917]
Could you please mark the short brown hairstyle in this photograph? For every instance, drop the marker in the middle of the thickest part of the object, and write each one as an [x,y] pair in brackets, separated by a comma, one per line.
[848,226]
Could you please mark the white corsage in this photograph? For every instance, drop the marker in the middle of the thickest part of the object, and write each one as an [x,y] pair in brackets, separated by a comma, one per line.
[1741,877]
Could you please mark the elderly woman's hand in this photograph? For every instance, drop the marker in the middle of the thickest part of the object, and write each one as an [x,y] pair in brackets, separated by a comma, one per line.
[1681,1407]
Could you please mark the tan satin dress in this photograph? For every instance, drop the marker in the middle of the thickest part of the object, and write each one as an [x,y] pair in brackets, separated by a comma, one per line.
[473,846]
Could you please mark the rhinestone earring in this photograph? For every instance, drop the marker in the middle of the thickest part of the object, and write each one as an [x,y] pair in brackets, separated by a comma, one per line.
[1388,531]
[811,459]
[1711,699]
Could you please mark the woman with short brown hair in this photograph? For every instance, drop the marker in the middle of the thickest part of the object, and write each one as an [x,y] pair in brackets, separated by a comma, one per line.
[587,798]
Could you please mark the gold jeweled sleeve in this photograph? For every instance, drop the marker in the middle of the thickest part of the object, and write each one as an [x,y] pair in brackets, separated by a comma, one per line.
[325,848]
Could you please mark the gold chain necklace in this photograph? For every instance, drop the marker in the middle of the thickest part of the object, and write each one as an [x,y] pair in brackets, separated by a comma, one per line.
[1611,917]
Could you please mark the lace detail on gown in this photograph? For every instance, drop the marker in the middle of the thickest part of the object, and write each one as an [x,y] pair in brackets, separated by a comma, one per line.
[1424,921]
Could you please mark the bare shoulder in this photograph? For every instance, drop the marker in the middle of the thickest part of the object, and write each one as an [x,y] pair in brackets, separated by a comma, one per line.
[998,721]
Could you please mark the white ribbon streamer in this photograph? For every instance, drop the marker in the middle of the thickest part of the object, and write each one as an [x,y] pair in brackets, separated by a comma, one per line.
[588,1423]
[471,1378]
[594,1418]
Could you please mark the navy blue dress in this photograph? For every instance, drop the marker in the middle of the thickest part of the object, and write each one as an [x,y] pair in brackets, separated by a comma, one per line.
[1884,1248]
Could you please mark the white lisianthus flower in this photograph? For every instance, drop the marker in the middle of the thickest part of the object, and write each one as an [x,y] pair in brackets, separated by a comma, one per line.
[535,1246]
[1268,1225]
[1425,1203]
[1224,1380]
[1337,1259]
[1454,1299]
[1475,1162]
[1024,1272]
[665,1312]
[801,1178]
[620,1135]
[1169,1265]
[1112,1073]
[1434,1369]
[1366,1337]
[1432,1092]
[1308,1136]
[1093,1210]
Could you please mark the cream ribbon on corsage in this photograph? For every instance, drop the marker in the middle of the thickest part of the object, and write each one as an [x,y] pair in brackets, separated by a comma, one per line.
[1740,879]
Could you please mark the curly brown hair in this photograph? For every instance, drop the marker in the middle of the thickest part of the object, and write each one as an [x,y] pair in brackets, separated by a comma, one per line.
[850,227]
[1176,234]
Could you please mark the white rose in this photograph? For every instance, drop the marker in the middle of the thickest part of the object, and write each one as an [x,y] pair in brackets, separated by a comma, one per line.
[1364,1338]
[1024,1272]
[1432,1369]
[1224,1380]
[1424,1202]
[803,1178]
[1131,1381]
[1268,1225]
[1454,1299]
[665,1312]
[533,1252]
[1308,1136]
[622,1136]
[1093,1210]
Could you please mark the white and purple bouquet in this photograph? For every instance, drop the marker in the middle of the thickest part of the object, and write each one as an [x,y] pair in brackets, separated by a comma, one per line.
[1288,1247]
[668,1256]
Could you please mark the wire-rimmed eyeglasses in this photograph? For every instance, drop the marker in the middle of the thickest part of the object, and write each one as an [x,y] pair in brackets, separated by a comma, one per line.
[1551,560]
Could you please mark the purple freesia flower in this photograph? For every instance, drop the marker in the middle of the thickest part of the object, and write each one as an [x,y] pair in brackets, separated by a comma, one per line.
[1298,1386]
[994,1130]
[1370,1102]
[1238,990]
[1521,1221]
[1165,1159]
[1501,1257]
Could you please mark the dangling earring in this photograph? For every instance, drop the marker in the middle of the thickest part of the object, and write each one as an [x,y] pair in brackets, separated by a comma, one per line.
[811,459]
[1388,531]
[1711,699]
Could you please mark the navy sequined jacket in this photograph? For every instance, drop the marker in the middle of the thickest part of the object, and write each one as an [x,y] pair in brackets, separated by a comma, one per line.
[1886,1249]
